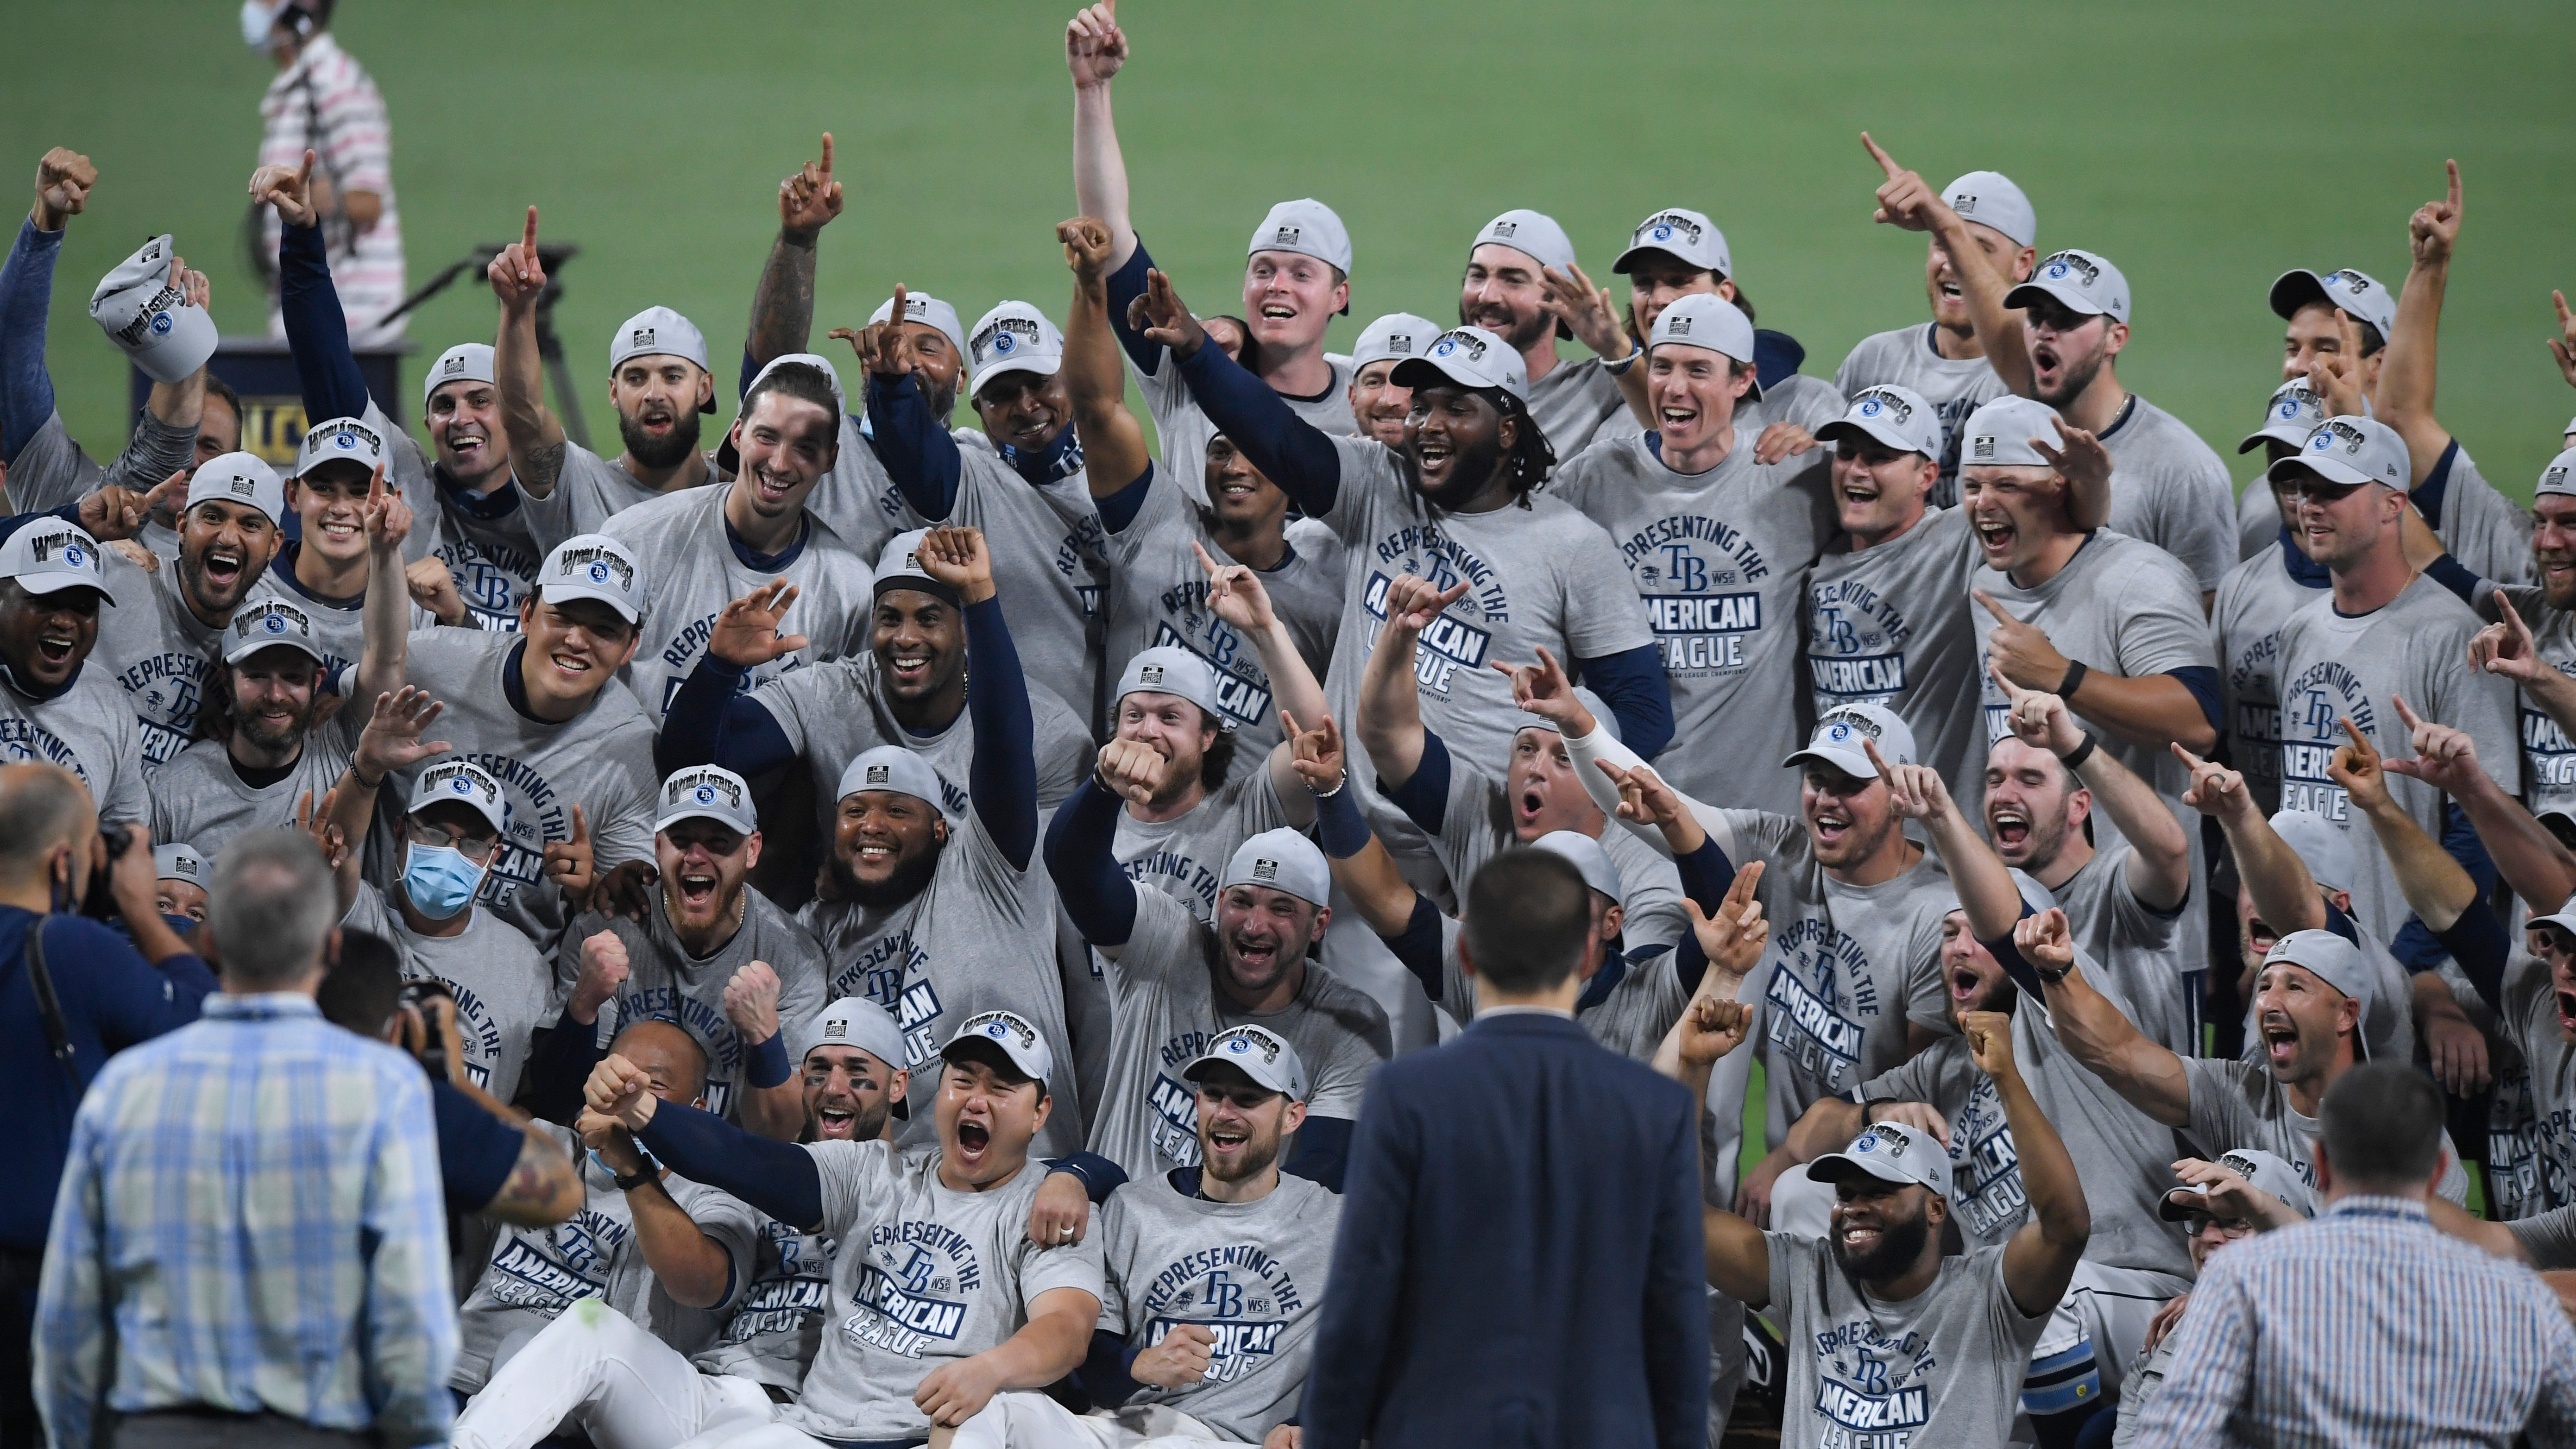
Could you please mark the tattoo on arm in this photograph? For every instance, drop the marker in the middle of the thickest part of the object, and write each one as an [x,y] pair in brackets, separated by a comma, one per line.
[537,1181]
[544,470]
[782,310]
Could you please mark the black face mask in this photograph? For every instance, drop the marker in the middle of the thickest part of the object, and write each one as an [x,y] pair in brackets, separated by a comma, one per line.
[1900,1247]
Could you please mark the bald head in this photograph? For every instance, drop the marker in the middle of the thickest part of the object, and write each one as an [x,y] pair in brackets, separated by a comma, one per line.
[668,1055]
[42,807]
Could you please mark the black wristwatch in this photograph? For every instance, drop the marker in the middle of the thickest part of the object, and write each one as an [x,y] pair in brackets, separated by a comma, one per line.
[628,1182]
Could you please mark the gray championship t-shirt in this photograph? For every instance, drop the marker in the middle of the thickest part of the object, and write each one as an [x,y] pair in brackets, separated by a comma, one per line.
[200,799]
[773,1334]
[2123,1157]
[1891,625]
[1251,1273]
[53,470]
[1543,574]
[161,652]
[1166,1009]
[2169,489]
[1186,856]
[2237,1104]
[1048,565]
[483,539]
[665,983]
[2484,529]
[980,937]
[2257,597]
[537,1273]
[1719,560]
[834,712]
[1158,596]
[1955,388]
[2133,947]
[2334,667]
[590,490]
[1575,398]
[693,567]
[503,990]
[1942,1368]
[2548,756]
[924,1276]
[2542,1175]
[88,729]
[600,760]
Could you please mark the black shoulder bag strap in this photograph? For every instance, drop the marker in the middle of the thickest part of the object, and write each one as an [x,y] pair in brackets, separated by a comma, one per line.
[58,1031]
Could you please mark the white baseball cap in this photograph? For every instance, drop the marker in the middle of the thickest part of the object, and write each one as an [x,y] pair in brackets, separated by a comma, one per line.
[2328,957]
[857,1022]
[1015,1034]
[1171,669]
[2349,450]
[899,567]
[1894,416]
[2260,1169]
[708,792]
[1680,232]
[928,310]
[1533,234]
[1398,335]
[238,478]
[815,360]
[889,767]
[1469,357]
[1999,434]
[461,782]
[1013,337]
[593,566]
[661,332]
[1888,1152]
[150,320]
[1589,860]
[1257,1052]
[2293,413]
[2323,849]
[340,440]
[465,362]
[1307,227]
[2559,476]
[2356,293]
[179,862]
[1843,731]
[1990,199]
[48,556]
[1281,860]
[2082,281]
[1706,320]
[270,623]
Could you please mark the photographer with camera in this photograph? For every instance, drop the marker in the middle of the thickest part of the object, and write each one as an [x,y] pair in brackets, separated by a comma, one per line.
[491,1160]
[71,991]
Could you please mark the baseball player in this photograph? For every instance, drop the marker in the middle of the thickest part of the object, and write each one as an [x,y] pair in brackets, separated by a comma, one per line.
[1378,403]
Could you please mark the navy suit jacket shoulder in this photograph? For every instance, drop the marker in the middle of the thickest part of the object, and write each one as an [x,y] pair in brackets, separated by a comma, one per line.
[1519,1261]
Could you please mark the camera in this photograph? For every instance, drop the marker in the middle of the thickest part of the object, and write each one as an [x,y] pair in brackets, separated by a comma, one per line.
[428,998]
[100,902]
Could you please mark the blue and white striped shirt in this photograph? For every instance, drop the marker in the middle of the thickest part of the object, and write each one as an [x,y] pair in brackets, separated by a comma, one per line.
[2367,1325]
[255,1200]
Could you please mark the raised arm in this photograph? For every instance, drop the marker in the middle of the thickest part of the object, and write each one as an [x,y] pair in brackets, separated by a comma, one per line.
[692,1267]
[386,618]
[1289,451]
[1739,1256]
[1235,595]
[2435,886]
[2152,710]
[782,304]
[518,278]
[63,181]
[2159,867]
[712,720]
[1985,884]
[1082,841]
[779,1178]
[2532,862]
[1905,202]
[1389,720]
[317,331]
[2094,1030]
[2404,399]
[2285,895]
[391,741]
[912,442]
[1113,442]
[2039,1261]
[1094,51]
[1002,778]
[2506,648]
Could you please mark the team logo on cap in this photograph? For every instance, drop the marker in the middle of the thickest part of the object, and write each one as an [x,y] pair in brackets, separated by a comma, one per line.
[1457,340]
[274,624]
[1874,402]
[1149,674]
[454,366]
[1005,335]
[706,795]
[880,775]
[461,785]
[597,564]
[160,324]
[997,1030]
[154,318]
[2353,282]
[2554,477]
[2338,432]
[344,440]
[1264,868]
[1983,445]
[1678,327]
[1868,1143]
[1665,227]
[1504,228]
[2060,265]
[704,788]
[640,337]
[1844,726]
[1286,236]
[1399,342]
[66,544]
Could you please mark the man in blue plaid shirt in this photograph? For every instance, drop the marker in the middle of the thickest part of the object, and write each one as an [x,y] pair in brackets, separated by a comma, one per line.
[249,1245]
[2365,1325]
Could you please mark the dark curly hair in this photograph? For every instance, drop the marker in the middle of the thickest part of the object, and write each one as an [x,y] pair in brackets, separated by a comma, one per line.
[1532,457]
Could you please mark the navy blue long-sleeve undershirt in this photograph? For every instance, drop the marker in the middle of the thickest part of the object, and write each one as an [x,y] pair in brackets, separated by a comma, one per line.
[915,447]
[317,332]
[1082,857]
[1002,779]
[26,298]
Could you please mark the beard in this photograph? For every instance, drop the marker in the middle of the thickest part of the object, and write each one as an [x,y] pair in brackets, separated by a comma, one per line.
[1257,1157]
[1900,1246]
[911,875]
[1520,334]
[1469,471]
[267,734]
[666,451]
[2079,375]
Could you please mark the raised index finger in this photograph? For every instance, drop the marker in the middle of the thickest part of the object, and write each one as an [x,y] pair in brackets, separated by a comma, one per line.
[2002,615]
[2405,715]
[827,153]
[1884,160]
[2360,741]
[530,241]
[2453,167]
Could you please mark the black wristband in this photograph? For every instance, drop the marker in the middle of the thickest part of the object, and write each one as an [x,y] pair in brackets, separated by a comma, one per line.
[628,1182]
[2074,759]
[2074,680]
[2049,977]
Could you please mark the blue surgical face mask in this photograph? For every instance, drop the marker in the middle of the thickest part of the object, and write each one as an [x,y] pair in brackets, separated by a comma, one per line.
[439,880]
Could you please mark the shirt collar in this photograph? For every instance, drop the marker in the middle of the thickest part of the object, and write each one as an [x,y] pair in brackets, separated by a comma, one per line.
[261,1005]
[2368,1205]
[1556,1011]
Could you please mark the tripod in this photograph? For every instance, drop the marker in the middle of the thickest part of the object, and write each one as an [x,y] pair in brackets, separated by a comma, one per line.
[549,346]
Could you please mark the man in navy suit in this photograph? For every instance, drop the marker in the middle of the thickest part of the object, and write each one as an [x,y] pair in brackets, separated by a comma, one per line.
[1519,1261]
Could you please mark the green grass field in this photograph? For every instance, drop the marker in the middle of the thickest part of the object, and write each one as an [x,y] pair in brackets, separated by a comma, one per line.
[2204,147]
